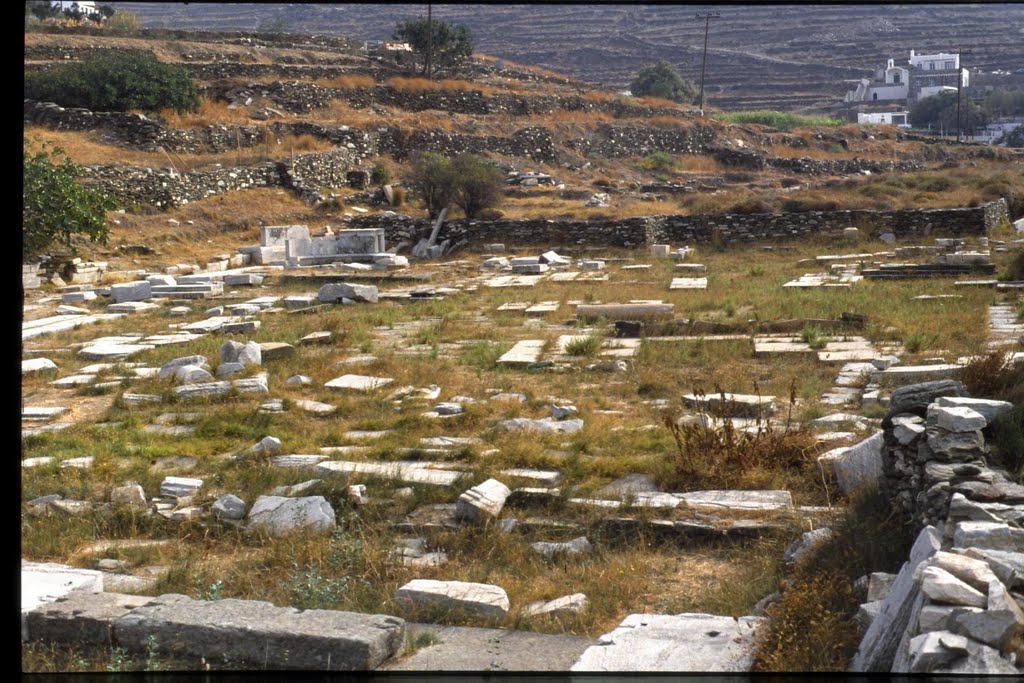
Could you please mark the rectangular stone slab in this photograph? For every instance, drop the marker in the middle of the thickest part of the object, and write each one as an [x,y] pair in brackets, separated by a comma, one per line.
[689,283]
[261,635]
[358,382]
[524,352]
[740,500]
[662,642]
[625,311]
[81,617]
[476,598]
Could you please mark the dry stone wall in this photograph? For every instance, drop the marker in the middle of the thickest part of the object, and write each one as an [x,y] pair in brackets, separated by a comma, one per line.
[679,229]
[166,189]
[955,606]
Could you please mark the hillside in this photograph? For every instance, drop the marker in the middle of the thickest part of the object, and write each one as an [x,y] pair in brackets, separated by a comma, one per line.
[776,57]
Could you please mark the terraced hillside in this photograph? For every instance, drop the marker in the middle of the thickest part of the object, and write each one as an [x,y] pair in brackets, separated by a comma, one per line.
[779,57]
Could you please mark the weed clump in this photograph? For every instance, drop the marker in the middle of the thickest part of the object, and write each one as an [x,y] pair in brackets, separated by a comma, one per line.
[584,346]
[711,452]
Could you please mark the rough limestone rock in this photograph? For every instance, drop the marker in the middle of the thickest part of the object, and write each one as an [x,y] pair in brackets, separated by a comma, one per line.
[915,398]
[942,587]
[990,627]
[335,292]
[974,573]
[37,365]
[878,647]
[280,516]
[931,650]
[268,445]
[577,546]
[261,635]
[250,354]
[228,369]
[806,543]
[1008,566]
[681,643]
[980,659]
[991,535]
[228,506]
[131,495]
[481,502]
[480,599]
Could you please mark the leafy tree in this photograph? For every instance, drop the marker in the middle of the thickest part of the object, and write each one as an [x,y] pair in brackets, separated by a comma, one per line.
[479,184]
[1004,103]
[939,112]
[116,82]
[470,182]
[432,181]
[42,9]
[55,207]
[663,80]
[450,47]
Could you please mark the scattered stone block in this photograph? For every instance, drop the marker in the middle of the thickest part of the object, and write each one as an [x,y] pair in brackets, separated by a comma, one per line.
[280,516]
[180,487]
[138,290]
[546,424]
[577,546]
[481,502]
[478,599]
[316,338]
[276,350]
[229,507]
[315,407]
[38,365]
[335,292]
[565,606]
[130,495]
[358,382]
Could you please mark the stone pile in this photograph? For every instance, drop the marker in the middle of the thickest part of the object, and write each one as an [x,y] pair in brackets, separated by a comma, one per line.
[958,602]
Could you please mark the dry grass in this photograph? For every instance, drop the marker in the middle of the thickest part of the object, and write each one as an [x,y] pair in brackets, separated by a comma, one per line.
[348,81]
[88,148]
[406,84]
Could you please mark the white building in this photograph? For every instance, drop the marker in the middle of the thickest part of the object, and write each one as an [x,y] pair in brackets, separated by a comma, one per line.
[886,118]
[926,76]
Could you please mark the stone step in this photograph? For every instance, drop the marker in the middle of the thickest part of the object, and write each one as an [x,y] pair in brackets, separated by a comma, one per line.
[524,353]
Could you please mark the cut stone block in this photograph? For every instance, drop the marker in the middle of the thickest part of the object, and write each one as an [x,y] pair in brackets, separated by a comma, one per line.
[134,291]
[739,500]
[577,546]
[956,418]
[336,291]
[988,409]
[478,599]
[180,487]
[857,466]
[261,635]
[47,582]
[81,618]
[689,283]
[942,587]
[409,472]
[567,605]
[733,405]
[625,311]
[547,424]
[40,365]
[276,350]
[358,382]
[685,642]
[988,535]
[482,501]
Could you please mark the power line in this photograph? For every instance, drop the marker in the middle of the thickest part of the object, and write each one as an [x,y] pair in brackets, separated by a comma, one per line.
[707,17]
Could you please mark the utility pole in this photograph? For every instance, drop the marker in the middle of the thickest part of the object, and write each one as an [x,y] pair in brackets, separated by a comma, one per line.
[430,41]
[959,84]
[707,17]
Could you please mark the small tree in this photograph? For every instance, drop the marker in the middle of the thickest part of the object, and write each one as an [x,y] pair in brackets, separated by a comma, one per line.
[450,47]
[42,9]
[478,185]
[55,207]
[432,181]
[663,80]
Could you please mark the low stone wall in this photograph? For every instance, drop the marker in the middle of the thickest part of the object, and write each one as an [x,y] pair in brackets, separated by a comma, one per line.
[679,229]
[956,604]
[146,186]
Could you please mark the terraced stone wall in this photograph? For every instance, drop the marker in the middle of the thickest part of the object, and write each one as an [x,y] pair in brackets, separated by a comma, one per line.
[679,230]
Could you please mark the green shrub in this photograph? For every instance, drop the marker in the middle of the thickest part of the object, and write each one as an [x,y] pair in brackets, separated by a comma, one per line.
[584,346]
[813,337]
[659,162]
[115,82]
[55,208]
[379,174]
